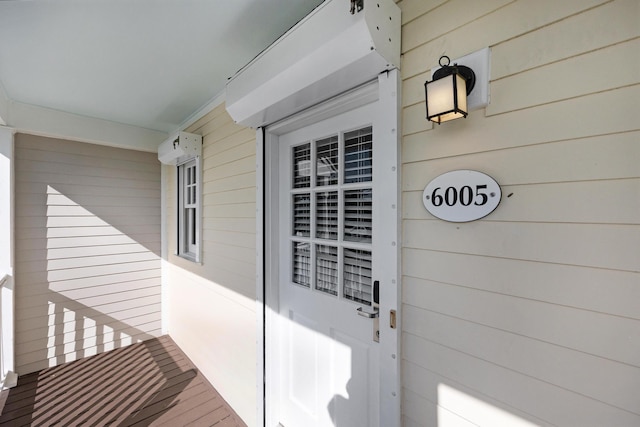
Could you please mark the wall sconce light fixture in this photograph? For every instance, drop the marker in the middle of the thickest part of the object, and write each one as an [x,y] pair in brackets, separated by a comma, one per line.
[446,94]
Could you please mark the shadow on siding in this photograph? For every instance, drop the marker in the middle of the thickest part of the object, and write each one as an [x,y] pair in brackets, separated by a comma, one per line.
[87,250]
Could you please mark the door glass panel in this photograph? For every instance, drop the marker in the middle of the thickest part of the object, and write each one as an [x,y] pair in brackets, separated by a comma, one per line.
[332,215]
[302,166]
[327,269]
[302,215]
[327,215]
[357,215]
[327,161]
[358,155]
[357,275]
[302,263]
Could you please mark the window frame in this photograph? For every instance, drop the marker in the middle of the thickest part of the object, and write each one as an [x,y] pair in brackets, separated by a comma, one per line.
[189,234]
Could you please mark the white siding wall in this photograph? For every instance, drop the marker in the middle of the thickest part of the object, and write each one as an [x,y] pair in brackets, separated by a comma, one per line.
[212,312]
[87,249]
[531,315]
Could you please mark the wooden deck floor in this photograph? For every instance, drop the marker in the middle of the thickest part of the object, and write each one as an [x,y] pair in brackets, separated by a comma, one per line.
[146,384]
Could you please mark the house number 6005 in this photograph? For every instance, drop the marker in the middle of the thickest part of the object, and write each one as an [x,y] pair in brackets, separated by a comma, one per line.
[461,196]
[465,195]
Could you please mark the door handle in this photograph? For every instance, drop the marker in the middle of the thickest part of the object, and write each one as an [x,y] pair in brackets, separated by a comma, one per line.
[374,312]
[369,314]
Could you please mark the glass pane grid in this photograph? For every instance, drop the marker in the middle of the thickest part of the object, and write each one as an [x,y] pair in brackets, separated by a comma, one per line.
[327,215]
[327,269]
[302,215]
[302,166]
[337,207]
[302,263]
[189,173]
[327,156]
[357,275]
[358,156]
[358,215]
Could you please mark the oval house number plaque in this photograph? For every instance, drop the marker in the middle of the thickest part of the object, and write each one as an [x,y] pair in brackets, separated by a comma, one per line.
[462,196]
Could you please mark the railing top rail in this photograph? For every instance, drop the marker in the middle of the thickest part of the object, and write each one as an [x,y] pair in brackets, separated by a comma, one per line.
[3,279]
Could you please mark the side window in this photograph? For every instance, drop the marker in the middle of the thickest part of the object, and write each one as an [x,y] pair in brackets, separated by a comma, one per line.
[189,214]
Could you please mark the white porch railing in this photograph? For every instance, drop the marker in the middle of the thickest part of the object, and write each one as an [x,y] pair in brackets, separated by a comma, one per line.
[8,378]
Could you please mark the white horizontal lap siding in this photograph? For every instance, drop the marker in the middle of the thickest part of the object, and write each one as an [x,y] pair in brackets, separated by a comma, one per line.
[212,304]
[530,315]
[87,250]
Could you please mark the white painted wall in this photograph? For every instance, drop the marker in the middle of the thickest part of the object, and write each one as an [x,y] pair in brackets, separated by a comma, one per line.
[87,270]
[6,198]
[7,345]
[211,305]
[529,316]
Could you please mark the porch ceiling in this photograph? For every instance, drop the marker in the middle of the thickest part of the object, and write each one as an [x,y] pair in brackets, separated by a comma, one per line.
[147,63]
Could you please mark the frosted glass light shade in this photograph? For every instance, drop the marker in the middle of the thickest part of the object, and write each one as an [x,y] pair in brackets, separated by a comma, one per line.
[446,98]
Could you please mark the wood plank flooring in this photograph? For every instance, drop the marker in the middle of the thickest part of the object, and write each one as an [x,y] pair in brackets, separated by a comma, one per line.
[151,383]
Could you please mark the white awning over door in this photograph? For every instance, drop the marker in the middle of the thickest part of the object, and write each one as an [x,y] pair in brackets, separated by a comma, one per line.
[327,53]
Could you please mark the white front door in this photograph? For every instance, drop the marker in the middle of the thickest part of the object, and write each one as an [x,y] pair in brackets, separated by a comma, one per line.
[333,325]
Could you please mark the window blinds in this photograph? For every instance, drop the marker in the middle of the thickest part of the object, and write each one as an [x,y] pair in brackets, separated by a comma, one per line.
[327,269]
[302,166]
[327,215]
[357,215]
[301,263]
[302,215]
[358,156]
[357,275]
[332,213]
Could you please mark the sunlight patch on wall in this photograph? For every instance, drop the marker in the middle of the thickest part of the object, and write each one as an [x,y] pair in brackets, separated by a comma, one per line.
[103,287]
[456,408]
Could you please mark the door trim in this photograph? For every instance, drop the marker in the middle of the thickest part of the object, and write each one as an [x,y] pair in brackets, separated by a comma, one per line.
[386,89]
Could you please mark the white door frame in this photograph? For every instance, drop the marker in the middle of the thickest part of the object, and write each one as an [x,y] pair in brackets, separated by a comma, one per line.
[387,91]
[8,378]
